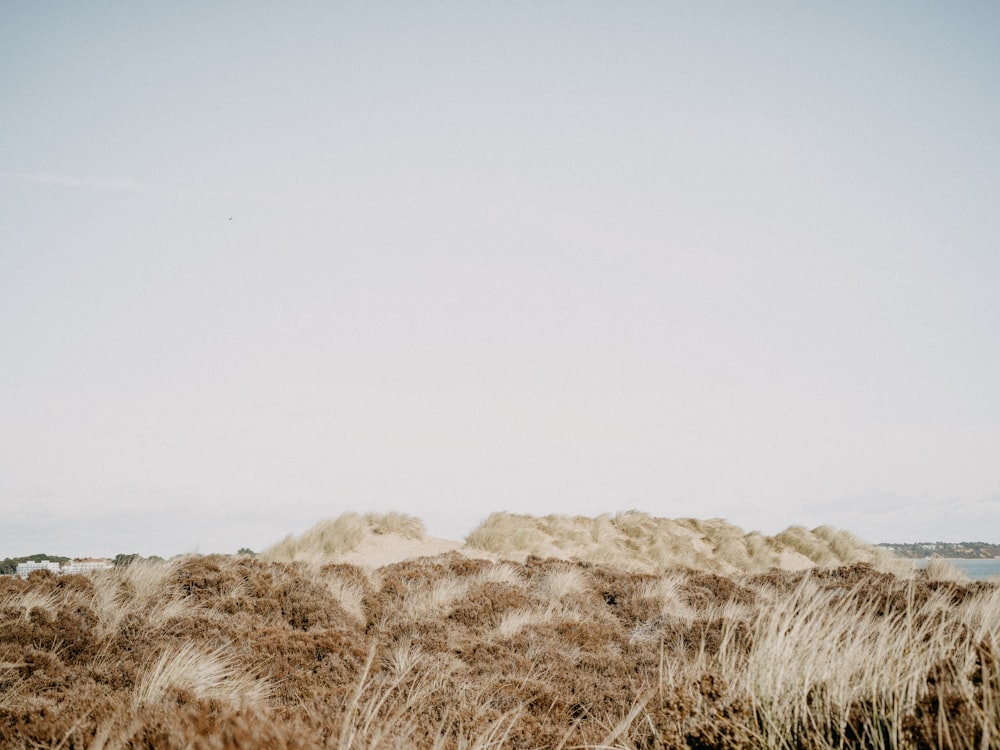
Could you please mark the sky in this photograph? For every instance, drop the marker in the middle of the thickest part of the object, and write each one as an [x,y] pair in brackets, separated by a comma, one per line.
[263,263]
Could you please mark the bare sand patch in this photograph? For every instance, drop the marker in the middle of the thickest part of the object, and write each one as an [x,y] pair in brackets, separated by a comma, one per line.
[377,550]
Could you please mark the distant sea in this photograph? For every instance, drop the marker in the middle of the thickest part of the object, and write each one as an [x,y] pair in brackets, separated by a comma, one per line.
[977,570]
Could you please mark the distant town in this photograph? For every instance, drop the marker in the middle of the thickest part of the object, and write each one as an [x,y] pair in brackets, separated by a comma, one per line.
[60,566]
[24,566]
[954,550]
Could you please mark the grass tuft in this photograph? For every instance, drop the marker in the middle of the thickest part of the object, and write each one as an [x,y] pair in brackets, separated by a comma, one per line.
[192,670]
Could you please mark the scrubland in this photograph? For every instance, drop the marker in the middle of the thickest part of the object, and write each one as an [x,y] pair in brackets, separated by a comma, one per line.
[447,652]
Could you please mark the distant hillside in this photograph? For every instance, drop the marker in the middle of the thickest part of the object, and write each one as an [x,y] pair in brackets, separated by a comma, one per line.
[959,550]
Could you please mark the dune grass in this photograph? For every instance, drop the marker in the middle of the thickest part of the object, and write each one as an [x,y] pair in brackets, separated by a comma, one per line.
[451,652]
[203,674]
[638,542]
[343,534]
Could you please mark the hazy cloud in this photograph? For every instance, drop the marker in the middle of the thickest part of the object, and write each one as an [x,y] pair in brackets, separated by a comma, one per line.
[118,183]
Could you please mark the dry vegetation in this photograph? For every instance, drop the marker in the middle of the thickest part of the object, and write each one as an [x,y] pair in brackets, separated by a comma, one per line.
[337,536]
[631,541]
[639,542]
[453,652]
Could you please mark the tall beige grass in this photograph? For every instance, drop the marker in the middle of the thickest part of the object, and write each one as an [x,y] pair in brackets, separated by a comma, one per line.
[834,669]
[201,673]
[434,599]
[382,709]
[942,570]
[343,534]
[24,603]
[639,542]
[142,592]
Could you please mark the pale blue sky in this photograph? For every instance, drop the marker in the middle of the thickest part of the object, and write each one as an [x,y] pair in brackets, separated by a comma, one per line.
[700,259]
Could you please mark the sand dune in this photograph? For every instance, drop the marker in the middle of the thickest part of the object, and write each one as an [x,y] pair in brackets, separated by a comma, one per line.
[632,541]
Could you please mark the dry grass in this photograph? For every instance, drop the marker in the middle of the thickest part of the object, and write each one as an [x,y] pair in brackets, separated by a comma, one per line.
[799,539]
[449,652]
[942,570]
[638,542]
[343,534]
[192,670]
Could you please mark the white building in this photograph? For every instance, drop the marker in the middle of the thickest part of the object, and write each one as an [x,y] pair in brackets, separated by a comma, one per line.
[24,568]
[87,565]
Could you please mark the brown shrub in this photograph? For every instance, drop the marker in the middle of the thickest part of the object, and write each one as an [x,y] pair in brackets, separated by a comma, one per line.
[596,660]
[485,604]
[705,590]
